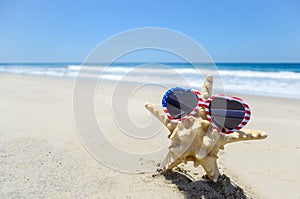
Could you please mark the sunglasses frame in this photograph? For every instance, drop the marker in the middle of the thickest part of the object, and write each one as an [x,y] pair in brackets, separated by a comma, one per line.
[205,104]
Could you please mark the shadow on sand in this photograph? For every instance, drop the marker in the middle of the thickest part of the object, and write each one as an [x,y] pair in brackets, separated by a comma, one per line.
[205,189]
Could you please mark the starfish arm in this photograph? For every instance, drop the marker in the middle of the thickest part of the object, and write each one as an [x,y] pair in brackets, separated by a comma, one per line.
[206,90]
[210,165]
[171,161]
[245,134]
[159,113]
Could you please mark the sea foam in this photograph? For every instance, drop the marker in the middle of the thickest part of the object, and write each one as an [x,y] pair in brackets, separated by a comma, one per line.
[276,81]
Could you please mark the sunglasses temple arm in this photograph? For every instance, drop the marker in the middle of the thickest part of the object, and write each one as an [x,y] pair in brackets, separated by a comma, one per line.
[246,134]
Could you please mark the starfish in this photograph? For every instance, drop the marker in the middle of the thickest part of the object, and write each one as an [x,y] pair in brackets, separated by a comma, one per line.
[196,140]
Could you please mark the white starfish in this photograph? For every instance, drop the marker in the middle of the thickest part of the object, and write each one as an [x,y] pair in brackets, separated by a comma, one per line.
[195,140]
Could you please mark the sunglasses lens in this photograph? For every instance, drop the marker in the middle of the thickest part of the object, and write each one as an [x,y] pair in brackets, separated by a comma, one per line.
[226,114]
[180,103]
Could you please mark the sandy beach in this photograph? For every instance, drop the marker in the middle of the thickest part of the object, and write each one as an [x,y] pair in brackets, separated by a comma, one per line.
[41,155]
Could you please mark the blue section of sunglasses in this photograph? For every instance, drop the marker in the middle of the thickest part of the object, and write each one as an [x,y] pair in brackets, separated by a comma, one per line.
[166,95]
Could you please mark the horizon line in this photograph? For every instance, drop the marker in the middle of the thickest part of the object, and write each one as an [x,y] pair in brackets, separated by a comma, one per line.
[74,62]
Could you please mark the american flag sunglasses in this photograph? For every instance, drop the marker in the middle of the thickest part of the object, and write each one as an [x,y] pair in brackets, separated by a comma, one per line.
[226,114]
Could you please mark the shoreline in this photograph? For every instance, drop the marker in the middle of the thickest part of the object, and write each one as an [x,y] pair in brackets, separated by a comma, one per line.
[229,93]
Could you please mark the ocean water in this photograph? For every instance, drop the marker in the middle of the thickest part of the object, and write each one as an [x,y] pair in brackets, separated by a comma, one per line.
[267,79]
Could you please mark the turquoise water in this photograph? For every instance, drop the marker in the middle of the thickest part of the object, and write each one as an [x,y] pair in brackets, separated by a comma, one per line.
[270,79]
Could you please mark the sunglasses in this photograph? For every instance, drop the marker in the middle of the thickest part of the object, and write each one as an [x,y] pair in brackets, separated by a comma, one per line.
[226,114]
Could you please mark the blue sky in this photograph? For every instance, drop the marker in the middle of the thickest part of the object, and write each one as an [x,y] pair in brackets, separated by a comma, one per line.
[231,31]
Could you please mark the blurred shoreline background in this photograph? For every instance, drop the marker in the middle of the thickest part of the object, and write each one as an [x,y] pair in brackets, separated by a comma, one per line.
[263,79]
